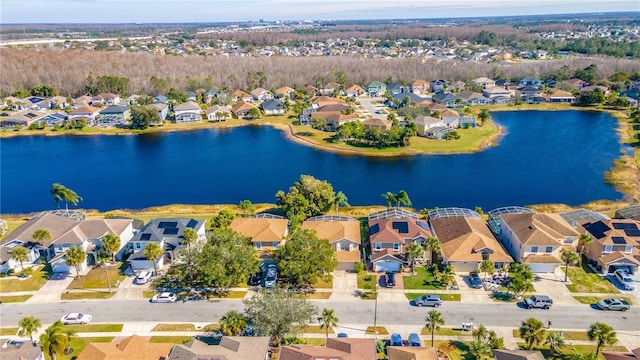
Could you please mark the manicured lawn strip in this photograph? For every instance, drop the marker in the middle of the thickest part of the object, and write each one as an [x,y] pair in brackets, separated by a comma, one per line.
[315,295]
[500,296]
[95,328]
[33,283]
[171,339]
[367,281]
[381,330]
[423,280]
[457,350]
[567,335]
[583,349]
[444,297]
[174,327]
[15,299]
[78,344]
[445,331]
[584,280]
[312,341]
[314,329]
[594,299]
[148,294]
[96,278]
[8,331]
[228,295]
[86,295]
[324,283]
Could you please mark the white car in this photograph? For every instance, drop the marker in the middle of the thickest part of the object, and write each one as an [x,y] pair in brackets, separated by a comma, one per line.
[165,297]
[143,277]
[76,318]
[624,279]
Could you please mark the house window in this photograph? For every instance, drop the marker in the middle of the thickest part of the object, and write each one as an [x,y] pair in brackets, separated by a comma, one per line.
[608,249]
[257,245]
[138,246]
[396,247]
[568,241]
[628,249]
[377,246]
[548,249]
[534,249]
[275,245]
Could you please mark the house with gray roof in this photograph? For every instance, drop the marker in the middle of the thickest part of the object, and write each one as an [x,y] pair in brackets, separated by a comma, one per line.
[448,99]
[473,98]
[273,107]
[113,115]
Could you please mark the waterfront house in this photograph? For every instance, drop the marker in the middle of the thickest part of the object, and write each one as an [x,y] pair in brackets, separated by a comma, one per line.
[89,113]
[21,119]
[273,107]
[343,233]
[448,99]
[267,232]
[131,347]
[333,121]
[382,124]
[560,96]
[588,89]
[242,110]
[424,123]
[161,108]
[113,115]
[495,92]
[376,88]
[576,83]
[187,112]
[52,119]
[227,348]
[218,113]
[473,98]
[616,244]
[335,348]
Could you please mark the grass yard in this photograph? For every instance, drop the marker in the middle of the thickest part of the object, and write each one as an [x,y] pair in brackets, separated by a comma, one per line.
[324,283]
[582,349]
[584,280]
[95,328]
[32,283]
[314,329]
[101,295]
[174,327]
[457,350]
[423,280]
[228,295]
[97,279]
[367,281]
[78,344]
[501,296]
[444,297]
[567,335]
[381,330]
[312,341]
[594,299]
[8,331]
[315,295]
[171,339]
[14,299]
[148,294]
[446,331]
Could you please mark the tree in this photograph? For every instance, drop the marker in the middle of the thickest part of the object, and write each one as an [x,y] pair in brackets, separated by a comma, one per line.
[486,267]
[70,335]
[584,240]
[433,321]
[233,323]
[433,245]
[481,333]
[603,334]
[328,319]
[101,261]
[111,244]
[255,113]
[532,332]
[54,340]
[41,235]
[303,258]
[223,219]
[414,251]
[390,198]
[555,342]
[265,312]
[189,238]
[60,193]
[28,326]
[247,207]
[318,198]
[521,279]
[495,342]
[142,117]
[480,350]
[402,198]
[21,254]
[340,200]
[446,276]
[568,257]
[152,251]
[483,116]
[75,256]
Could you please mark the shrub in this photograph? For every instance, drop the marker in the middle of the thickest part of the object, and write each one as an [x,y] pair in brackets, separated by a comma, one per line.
[368,278]
[359,267]
[296,122]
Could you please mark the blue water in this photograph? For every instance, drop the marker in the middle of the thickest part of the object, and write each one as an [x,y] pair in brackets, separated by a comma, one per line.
[544,157]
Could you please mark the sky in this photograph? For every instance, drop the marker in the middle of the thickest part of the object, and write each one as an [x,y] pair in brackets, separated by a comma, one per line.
[153,11]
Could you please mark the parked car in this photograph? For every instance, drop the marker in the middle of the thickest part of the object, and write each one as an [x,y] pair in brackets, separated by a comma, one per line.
[613,304]
[343,335]
[390,279]
[143,277]
[271,275]
[414,340]
[475,280]
[76,318]
[396,340]
[428,300]
[624,279]
[165,297]
[539,302]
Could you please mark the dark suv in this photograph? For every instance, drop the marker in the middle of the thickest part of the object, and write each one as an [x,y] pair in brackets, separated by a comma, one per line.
[390,279]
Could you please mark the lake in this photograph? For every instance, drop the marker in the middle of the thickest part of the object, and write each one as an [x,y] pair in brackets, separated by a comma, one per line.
[544,157]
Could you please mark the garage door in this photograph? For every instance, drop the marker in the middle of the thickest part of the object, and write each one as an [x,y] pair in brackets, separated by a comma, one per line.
[460,266]
[388,266]
[543,268]
[61,267]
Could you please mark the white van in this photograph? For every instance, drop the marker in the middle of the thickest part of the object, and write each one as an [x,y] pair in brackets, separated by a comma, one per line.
[143,277]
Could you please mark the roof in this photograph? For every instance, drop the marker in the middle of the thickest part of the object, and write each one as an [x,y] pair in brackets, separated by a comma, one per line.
[20,350]
[218,108]
[261,229]
[240,94]
[517,355]
[411,353]
[557,93]
[258,91]
[385,253]
[321,101]
[467,239]
[383,123]
[633,355]
[573,217]
[114,109]
[631,212]
[393,213]
[397,230]
[618,256]
[132,347]
[335,348]
[335,230]
[617,231]
[242,106]
[85,110]
[157,230]
[539,228]
[541,259]
[229,348]
[347,256]
[333,107]
[189,105]
[376,83]
[284,90]
[426,120]
[272,104]
[443,97]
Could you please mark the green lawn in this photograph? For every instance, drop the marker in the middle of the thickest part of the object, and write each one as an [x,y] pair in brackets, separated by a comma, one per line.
[95,328]
[381,330]
[314,329]
[583,349]
[171,339]
[446,331]
[594,299]
[502,296]
[87,295]
[584,280]
[567,335]
[32,283]
[78,344]
[457,350]
[15,299]
[97,279]
[324,283]
[367,281]
[312,341]
[8,331]
[316,295]
[423,280]
[148,294]
[444,297]
[174,327]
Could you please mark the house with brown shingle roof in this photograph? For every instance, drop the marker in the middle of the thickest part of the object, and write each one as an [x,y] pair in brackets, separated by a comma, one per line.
[616,243]
[331,87]
[241,110]
[466,242]
[239,95]
[285,91]
[335,348]
[89,113]
[419,86]
[343,233]
[132,347]
[266,233]
[537,239]
[517,355]
[560,96]
[411,353]
[261,94]
[20,350]
[382,124]
[229,348]
[634,354]
[22,119]
[354,90]
[187,112]
[334,121]
[321,101]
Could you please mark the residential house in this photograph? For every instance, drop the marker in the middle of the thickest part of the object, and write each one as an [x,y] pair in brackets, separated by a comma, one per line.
[616,244]
[21,119]
[267,232]
[537,239]
[354,90]
[382,124]
[273,107]
[133,100]
[448,99]
[37,103]
[404,99]
[560,96]
[13,103]
[131,347]
[80,101]
[529,82]
[376,88]
[210,94]
[65,232]
[630,212]
[425,123]
[285,92]
[390,232]
[331,88]
[466,240]
[439,85]
[412,353]
[343,233]
[634,354]
[242,110]
[531,95]
[334,349]
[436,107]
[218,113]
[21,350]
[161,108]
[587,89]
[228,348]
[240,95]
[334,121]
[113,115]
[419,86]
[473,98]
[458,86]
[395,88]
[53,119]
[576,83]
[106,99]
[484,82]
[495,92]
[322,101]
[333,107]
[191,95]
[168,234]
[517,355]
[161,99]
[260,94]
[187,112]
[89,113]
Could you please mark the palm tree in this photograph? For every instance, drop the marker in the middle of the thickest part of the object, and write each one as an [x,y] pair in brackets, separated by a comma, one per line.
[555,342]
[41,235]
[28,326]
[402,198]
[532,332]
[111,244]
[447,275]
[480,350]
[433,321]
[70,334]
[340,200]
[433,245]
[484,115]
[54,340]
[414,251]
[568,257]
[75,256]
[233,323]
[20,253]
[603,334]
[390,198]
[60,192]
[495,342]
[481,333]
[102,261]
[487,267]
[328,319]
[152,251]
[584,240]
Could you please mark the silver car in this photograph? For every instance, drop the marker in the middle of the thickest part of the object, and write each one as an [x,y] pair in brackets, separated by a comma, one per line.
[624,279]
[165,297]
[428,300]
[76,318]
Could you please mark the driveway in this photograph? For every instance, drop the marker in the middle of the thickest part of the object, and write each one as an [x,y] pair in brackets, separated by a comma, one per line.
[51,290]
[553,286]
[345,285]
[366,103]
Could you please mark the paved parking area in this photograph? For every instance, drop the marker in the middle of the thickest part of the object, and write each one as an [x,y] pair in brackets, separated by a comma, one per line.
[553,286]
[51,290]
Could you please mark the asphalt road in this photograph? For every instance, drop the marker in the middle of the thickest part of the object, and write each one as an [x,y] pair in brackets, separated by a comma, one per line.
[366,103]
[349,312]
